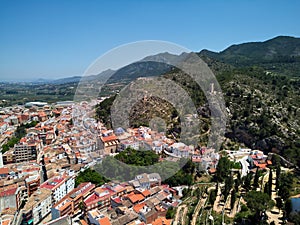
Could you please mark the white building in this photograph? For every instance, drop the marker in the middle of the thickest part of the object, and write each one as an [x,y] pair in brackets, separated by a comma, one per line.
[59,186]
[37,207]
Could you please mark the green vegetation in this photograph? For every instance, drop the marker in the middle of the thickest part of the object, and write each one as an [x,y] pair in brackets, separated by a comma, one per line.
[90,175]
[103,110]
[19,133]
[170,213]
[223,169]
[138,158]
[20,93]
[258,203]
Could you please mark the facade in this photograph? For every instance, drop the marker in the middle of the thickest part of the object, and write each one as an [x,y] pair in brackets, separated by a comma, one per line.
[59,186]
[26,151]
[99,199]
[37,207]
[71,203]
[146,181]
[32,184]
[179,149]
[9,197]
[109,144]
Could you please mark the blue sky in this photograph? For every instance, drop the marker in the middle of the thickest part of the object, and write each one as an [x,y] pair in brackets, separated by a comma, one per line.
[58,38]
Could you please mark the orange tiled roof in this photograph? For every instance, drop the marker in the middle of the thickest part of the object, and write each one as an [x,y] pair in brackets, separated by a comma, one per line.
[104,221]
[161,221]
[138,207]
[109,138]
[4,170]
[146,193]
[136,197]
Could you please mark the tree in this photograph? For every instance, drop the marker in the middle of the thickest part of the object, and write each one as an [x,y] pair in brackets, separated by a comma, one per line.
[279,203]
[233,199]
[247,181]
[267,189]
[228,186]
[223,169]
[82,207]
[276,161]
[90,175]
[258,202]
[170,213]
[286,181]
[270,182]
[212,197]
[278,172]
[256,177]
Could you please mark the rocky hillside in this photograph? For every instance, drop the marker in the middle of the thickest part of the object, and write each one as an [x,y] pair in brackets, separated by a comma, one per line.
[263,105]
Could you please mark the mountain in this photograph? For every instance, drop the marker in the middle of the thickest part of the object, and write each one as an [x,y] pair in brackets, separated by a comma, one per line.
[280,54]
[261,92]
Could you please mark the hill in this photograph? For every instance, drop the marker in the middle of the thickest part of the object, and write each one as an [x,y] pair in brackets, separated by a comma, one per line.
[263,105]
[280,54]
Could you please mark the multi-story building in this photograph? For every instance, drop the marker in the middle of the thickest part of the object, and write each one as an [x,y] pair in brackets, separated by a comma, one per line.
[37,207]
[109,144]
[10,197]
[99,199]
[32,183]
[59,186]
[72,203]
[25,151]
[8,157]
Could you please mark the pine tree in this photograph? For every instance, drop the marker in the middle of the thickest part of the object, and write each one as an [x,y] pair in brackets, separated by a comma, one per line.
[270,182]
[233,199]
[255,182]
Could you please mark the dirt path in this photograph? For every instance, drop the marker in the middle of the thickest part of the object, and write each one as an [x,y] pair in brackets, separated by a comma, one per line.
[274,214]
[176,219]
[200,204]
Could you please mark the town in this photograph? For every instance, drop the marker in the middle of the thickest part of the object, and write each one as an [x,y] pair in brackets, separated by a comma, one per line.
[44,154]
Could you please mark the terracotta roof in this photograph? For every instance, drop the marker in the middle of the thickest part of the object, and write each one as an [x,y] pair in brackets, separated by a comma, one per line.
[4,170]
[146,193]
[8,192]
[162,221]
[6,222]
[83,222]
[109,138]
[135,198]
[104,221]
[138,207]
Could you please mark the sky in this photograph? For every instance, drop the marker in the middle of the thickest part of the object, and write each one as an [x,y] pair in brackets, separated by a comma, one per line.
[58,38]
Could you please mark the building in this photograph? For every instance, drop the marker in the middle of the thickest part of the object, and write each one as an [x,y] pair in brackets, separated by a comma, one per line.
[8,157]
[95,217]
[4,172]
[179,149]
[26,151]
[99,199]
[1,160]
[37,207]
[71,203]
[32,183]
[109,144]
[65,220]
[10,197]
[59,186]
[147,180]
